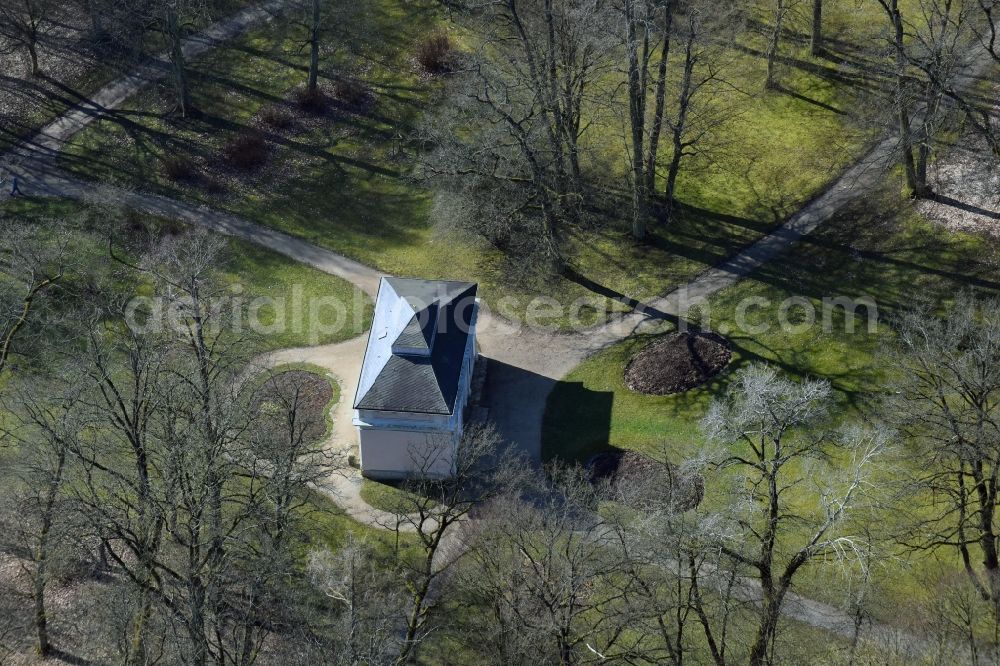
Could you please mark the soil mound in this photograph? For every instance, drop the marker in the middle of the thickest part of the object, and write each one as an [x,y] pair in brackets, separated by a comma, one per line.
[677,363]
[637,475]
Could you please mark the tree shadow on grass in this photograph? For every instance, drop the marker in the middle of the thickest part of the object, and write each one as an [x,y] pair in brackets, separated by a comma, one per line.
[969,208]
[572,275]
[809,100]
[859,253]
[699,237]
[69,658]
[223,85]
[834,75]
[355,215]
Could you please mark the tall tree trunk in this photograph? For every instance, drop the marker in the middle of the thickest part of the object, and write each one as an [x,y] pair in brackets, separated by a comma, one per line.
[177,61]
[923,155]
[573,103]
[555,117]
[314,30]
[419,594]
[679,126]
[772,594]
[816,37]
[140,624]
[902,107]
[149,543]
[772,45]
[196,624]
[32,46]
[985,490]
[42,646]
[906,146]
[768,627]
[672,171]
[637,118]
[660,98]
[931,108]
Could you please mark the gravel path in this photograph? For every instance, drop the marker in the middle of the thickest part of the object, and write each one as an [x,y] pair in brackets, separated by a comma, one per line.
[53,136]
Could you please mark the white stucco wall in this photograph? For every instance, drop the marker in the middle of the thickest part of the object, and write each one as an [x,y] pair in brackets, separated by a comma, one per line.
[398,454]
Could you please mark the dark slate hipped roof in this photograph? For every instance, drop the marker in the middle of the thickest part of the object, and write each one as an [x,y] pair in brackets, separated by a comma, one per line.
[419,333]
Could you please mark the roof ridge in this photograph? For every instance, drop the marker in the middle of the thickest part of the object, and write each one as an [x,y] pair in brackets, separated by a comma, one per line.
[415,366]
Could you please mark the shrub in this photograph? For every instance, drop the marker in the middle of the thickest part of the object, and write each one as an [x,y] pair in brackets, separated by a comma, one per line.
[276,117]
[246,151]
[353,94]
[179,169]
[313,101]
[214,186]
[435,54]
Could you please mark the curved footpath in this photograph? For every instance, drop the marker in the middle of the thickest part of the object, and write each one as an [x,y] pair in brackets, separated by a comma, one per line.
[51,138]
[524,364]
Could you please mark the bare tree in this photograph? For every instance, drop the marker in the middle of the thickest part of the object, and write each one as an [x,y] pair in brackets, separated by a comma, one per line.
[660,91]
[510,156]
[988,28]
[781,11]
[35,259]
[947,399]
[195,489]
[548,578]
[321,28]
[702,27]
[677,585]
[120,383]
[172,21]
[25,23]
[932,50]
[202,430]
[285,455]
[638,49]
[370,621]
[45,426]
[433,509]
[944,50]
[644,36]
[903,95]
[816,28]
[770,426]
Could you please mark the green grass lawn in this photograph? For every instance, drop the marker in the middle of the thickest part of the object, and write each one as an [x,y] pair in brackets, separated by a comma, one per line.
[295,305]
[391,497]
[879,249]
[384,496]
[342,181]
[305,295]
